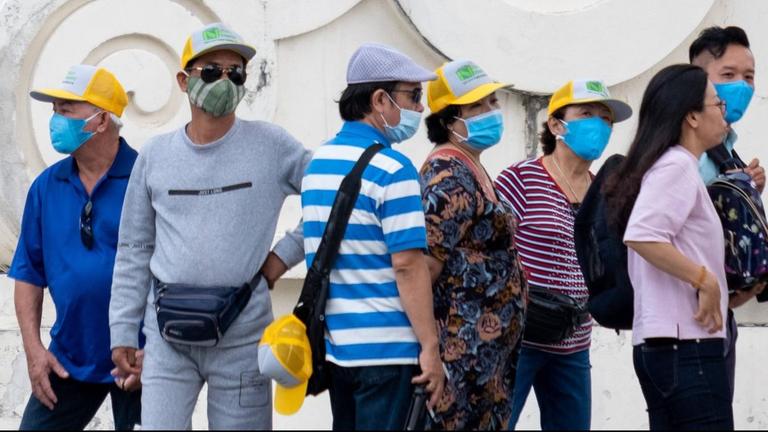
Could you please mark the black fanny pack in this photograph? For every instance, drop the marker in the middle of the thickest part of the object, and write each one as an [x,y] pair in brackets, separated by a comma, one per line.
[551,316]
[195,315]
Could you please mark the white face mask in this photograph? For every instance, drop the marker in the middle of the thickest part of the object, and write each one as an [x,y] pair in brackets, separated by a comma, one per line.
[409,124]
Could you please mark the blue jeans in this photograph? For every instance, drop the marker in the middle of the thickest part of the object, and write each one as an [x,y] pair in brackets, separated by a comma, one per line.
[371,397]
[78,403]
[685,384]
[563,387]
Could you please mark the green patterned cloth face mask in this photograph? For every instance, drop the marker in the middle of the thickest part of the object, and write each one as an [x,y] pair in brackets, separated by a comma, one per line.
[218,98]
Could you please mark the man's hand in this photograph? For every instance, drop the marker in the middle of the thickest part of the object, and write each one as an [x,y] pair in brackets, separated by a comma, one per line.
[432,374]
[131,382]
[272,269]
[40,363]
[125,360]
[757,173]
[709,315]
[740,297]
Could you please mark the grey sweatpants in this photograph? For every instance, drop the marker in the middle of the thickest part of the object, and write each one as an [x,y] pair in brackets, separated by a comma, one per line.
[239,397]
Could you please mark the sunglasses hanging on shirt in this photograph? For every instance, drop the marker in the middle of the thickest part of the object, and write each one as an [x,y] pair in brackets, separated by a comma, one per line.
[86,225]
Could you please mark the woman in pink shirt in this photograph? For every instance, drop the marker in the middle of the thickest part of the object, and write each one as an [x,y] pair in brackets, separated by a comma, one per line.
[676,252]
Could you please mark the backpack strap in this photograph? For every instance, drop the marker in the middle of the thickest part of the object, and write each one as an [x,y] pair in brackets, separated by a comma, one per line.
[725,160]
[481,175]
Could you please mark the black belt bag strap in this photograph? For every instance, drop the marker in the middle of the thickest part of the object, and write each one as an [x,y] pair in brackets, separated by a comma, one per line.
[195,315]
[551,316]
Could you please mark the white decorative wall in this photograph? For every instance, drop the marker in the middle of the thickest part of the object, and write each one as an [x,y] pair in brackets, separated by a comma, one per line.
[303,47]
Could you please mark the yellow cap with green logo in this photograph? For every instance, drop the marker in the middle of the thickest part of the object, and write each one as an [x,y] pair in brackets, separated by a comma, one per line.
[459,82]
[214,37]
[588,91]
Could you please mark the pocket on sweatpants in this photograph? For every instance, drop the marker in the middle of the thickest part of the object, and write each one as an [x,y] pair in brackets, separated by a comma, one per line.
[255,390]
[661,365]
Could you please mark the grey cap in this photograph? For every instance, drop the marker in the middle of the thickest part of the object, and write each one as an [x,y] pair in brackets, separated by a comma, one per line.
[376,62]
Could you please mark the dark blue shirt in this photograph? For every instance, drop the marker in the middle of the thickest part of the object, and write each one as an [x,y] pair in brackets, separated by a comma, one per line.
[51,254]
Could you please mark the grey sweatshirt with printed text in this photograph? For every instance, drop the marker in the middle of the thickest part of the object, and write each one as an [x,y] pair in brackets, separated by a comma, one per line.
[205,215]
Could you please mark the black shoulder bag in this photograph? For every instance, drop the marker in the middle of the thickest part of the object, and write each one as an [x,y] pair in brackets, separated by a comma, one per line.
[311,306]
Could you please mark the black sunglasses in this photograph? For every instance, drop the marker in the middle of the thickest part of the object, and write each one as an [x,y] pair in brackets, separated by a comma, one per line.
[212,72]
[415,94]
[86,225]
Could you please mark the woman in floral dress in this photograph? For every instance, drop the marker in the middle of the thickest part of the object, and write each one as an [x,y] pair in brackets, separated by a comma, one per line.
[478,286]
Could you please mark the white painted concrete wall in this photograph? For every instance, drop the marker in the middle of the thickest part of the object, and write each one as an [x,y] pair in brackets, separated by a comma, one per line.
[303,47]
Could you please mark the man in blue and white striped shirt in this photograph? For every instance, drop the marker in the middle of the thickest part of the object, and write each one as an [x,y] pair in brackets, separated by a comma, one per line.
[379,315]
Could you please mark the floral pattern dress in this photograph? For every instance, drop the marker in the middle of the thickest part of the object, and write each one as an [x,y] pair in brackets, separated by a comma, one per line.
[478,297]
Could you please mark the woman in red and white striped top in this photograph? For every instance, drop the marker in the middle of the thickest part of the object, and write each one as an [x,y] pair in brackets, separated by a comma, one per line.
[545,194]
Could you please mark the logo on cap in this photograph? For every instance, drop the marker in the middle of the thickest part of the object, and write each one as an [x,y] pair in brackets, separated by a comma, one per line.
[217,33]
[70,78]
[597,87]
[211,34]
[468,71]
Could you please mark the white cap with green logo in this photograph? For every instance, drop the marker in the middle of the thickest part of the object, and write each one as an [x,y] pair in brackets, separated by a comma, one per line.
[214,37]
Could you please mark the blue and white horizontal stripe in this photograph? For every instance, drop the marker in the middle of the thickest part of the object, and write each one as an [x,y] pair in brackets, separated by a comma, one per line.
[367,325]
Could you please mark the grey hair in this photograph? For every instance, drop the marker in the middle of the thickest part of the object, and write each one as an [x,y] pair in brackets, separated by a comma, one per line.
[116,121]
[113,117]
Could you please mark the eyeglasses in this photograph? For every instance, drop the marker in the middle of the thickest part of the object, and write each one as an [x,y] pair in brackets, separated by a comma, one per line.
[212,72]
[86,225]
[415,94]
[720,104]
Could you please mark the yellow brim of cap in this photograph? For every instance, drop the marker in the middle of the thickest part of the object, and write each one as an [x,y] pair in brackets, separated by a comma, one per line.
[289,400]
[478,93]
[49,95]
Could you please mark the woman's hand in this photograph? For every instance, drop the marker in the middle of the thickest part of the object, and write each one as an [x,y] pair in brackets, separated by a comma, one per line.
[709,314]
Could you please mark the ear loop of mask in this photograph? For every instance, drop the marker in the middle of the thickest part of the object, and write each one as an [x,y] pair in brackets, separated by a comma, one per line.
[565,124]
[91,118]
[386,123]
[462,138]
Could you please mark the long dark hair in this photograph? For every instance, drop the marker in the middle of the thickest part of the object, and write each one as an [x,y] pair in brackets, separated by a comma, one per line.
[672,93]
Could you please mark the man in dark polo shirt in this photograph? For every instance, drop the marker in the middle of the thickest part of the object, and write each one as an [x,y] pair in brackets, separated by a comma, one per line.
[68,242]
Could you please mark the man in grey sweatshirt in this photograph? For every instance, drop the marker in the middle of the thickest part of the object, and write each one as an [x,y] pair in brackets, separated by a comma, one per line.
[201,209]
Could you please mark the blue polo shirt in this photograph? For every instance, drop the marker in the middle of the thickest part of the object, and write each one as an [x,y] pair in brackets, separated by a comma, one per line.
[51,254]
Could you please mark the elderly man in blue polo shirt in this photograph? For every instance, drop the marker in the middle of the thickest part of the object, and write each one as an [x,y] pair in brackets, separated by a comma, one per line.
[68,243]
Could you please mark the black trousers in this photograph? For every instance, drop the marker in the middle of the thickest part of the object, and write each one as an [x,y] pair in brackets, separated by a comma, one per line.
[78,403]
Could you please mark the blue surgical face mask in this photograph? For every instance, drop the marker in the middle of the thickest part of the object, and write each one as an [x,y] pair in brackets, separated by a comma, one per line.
[409,124]
[67,134]
[483,131]
[587,137]
[737,95]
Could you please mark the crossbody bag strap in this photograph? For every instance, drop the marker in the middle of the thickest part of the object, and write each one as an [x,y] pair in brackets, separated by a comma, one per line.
[338,219]
[481,175]
[341,211]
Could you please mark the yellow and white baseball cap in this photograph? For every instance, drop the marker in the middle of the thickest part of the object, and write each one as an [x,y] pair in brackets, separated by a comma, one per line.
[86,83]
[588,91]
[459,82]
[214,37]
[286,356]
